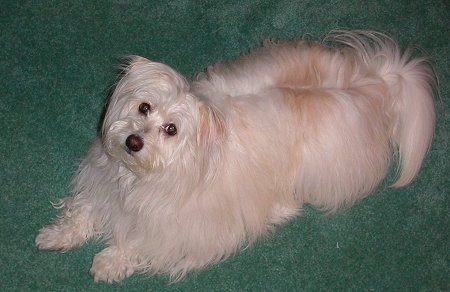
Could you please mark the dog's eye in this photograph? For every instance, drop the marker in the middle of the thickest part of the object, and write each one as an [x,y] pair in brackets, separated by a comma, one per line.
[144,108]
[170,129]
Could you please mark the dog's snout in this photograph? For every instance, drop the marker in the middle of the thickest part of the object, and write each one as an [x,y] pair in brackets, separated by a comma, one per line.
[134,143]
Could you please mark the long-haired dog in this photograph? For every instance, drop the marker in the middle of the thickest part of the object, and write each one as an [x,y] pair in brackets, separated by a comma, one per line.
[184,173]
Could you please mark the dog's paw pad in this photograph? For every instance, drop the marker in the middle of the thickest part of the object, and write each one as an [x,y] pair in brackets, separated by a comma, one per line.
[111,265]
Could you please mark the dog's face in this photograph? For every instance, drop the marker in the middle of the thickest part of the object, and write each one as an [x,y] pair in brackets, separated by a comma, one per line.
[151,120]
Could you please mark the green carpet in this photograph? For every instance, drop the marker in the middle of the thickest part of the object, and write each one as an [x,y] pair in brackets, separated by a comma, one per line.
[57,61]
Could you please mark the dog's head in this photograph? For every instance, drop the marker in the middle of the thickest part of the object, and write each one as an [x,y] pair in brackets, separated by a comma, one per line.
[153,121]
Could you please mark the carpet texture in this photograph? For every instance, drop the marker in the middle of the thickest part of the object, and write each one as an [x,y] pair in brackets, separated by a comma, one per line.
[57,61]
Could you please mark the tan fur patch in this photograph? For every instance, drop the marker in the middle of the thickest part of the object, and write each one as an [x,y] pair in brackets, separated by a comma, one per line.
[211,125]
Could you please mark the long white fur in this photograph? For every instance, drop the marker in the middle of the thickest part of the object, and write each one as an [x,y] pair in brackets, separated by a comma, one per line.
[288,124]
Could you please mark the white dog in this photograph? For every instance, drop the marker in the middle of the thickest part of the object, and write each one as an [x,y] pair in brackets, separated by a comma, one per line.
[185,173]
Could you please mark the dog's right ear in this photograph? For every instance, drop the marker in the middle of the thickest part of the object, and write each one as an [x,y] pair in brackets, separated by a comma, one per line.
[212,127]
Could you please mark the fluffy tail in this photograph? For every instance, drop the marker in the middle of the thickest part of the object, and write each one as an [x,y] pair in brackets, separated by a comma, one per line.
[410,82]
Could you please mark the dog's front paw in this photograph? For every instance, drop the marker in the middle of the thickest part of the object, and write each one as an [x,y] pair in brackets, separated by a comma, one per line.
[112,265]
[56,237]
[52,237]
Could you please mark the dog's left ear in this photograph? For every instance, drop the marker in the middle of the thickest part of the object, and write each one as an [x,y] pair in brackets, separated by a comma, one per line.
[137,60]
[212,126]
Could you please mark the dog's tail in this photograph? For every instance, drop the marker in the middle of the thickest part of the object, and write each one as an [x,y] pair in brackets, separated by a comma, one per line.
[410,84]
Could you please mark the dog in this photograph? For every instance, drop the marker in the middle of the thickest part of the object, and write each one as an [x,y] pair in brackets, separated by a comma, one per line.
[185,173]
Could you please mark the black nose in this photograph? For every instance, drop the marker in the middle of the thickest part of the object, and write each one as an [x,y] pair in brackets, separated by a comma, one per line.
[134,143]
